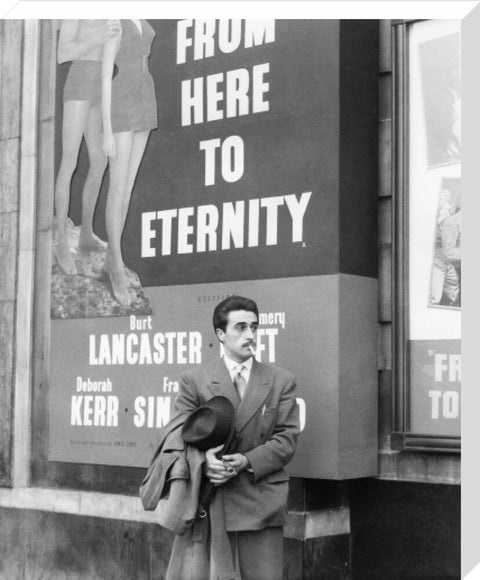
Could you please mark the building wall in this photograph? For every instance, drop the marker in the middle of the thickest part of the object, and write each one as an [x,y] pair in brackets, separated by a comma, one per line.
[404,530]
[41,544]
[10,99]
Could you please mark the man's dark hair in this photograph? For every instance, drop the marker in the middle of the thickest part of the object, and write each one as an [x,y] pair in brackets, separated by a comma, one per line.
[220,314]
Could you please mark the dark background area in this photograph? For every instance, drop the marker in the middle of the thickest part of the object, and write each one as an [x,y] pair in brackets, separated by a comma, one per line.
[404,530]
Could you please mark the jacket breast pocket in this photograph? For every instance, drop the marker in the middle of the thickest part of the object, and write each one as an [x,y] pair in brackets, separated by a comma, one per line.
[266,422]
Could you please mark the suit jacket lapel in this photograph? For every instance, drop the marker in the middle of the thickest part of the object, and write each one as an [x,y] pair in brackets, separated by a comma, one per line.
[221,383]
[255,396]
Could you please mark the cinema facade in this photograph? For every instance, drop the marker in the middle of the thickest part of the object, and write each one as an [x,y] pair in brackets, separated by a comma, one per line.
[309,164]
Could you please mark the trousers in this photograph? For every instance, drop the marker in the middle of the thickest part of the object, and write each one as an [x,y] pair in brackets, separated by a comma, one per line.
[258,553]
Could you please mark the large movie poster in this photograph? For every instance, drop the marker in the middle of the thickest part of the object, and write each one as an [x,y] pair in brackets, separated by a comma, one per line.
[223,190]
[228,184]
[222,177]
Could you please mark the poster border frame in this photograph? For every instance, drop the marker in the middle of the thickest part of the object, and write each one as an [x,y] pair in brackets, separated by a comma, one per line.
[402,438]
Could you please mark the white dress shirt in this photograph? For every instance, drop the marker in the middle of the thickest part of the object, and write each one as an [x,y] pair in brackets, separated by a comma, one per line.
[233,367]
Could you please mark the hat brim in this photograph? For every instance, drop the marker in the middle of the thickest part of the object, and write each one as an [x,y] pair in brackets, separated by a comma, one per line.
[210,425]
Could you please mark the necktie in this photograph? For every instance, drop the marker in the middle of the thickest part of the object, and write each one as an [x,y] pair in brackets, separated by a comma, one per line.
[240,382]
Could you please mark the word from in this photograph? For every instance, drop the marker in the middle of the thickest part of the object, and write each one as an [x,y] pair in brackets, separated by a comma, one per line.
[198,39]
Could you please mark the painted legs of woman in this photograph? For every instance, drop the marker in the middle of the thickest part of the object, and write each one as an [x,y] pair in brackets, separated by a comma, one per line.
[79,118]
[129,147]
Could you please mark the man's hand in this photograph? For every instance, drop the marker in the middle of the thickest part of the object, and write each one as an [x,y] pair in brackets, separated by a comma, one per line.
[237,461]
[218,471]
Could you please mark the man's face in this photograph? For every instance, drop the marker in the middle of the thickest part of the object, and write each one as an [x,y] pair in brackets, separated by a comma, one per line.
[240,332]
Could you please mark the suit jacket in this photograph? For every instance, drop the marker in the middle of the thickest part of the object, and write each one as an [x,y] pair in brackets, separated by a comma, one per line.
[268,424]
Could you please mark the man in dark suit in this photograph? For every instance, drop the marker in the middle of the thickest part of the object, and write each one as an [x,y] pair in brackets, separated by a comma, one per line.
[252,481]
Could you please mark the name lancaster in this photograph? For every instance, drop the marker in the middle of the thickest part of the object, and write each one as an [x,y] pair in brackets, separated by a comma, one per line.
[208,228]
[145,348]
